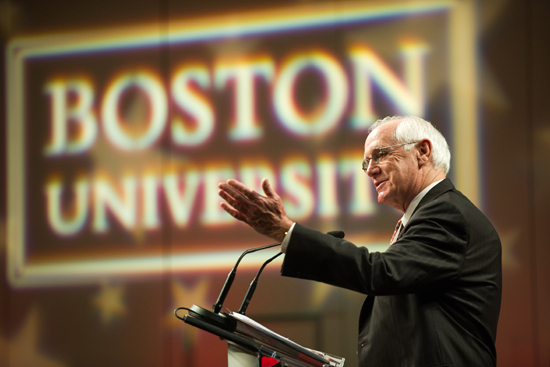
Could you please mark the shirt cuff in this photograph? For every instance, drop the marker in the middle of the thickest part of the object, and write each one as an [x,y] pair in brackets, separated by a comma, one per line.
[286,240]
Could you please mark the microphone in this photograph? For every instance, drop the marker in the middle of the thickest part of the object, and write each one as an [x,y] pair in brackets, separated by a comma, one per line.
[216,308]
[252,288]
[214,316]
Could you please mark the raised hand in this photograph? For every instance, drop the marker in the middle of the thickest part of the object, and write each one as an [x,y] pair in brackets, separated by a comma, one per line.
[266,214]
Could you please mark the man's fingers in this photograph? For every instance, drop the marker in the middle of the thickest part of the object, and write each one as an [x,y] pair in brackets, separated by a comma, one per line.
[233,212]
[237,209]
[239,188]
[230,199]
[268,191]
[241,197]
[229,189]
[265,214]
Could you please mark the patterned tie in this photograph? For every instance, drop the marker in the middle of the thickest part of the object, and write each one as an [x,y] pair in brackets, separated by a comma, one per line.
[397,230]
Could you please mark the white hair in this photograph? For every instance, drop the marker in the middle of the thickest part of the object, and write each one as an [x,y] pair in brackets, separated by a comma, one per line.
[412,129]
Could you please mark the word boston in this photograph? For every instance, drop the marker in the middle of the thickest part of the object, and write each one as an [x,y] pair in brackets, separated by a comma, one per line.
[74,100]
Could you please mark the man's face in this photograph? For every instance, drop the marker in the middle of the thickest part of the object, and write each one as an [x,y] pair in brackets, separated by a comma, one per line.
[396,178]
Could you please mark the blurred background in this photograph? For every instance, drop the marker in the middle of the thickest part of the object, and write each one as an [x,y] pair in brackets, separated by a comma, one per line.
[120,117]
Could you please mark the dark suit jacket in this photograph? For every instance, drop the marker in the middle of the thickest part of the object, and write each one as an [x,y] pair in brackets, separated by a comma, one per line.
[434,295]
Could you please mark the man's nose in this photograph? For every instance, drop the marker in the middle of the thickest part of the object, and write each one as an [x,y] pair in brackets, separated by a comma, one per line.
[372,169]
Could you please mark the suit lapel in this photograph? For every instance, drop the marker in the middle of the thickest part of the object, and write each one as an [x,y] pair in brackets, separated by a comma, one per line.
[437,190]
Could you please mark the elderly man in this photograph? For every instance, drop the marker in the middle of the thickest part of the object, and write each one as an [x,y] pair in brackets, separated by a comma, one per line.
[434,295]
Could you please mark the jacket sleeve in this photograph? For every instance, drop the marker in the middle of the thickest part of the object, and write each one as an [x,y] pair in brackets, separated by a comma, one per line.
[429,254]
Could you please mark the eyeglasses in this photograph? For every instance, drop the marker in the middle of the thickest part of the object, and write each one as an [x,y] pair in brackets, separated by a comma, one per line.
[380,154]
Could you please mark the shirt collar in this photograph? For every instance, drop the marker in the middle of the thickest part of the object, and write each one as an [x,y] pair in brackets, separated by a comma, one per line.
[414,203]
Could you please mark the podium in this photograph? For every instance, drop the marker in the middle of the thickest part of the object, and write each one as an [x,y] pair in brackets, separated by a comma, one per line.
[249,342]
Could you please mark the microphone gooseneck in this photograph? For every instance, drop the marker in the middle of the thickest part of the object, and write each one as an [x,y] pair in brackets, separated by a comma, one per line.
[216,308]
[252,288]
[221,320]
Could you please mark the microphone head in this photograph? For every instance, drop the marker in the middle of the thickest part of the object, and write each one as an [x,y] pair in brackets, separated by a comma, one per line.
[337,234]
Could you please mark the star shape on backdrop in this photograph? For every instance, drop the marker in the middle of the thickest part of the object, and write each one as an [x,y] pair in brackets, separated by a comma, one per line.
[184,296]
[23,349]
[110,302]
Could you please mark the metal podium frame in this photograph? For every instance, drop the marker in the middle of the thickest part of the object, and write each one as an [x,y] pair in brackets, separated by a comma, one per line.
[244,351]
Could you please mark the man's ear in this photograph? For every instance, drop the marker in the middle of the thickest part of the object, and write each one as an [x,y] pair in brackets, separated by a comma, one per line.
[425,150]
